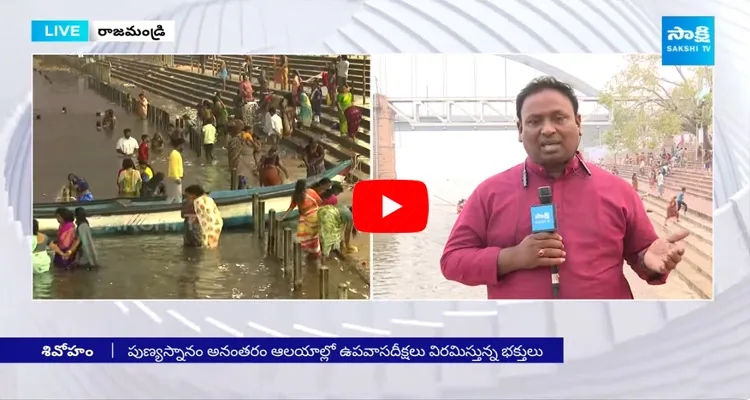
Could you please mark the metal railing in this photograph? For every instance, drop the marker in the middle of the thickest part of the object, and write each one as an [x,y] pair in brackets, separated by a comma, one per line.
[279,245]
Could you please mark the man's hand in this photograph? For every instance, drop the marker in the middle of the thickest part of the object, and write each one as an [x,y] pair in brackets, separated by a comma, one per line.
[664,254]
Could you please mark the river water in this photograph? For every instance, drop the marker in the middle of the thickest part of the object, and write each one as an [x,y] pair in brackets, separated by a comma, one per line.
[145,266]
[407,266]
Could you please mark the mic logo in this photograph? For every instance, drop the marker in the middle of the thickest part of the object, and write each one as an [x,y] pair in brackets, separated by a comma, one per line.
[543,218]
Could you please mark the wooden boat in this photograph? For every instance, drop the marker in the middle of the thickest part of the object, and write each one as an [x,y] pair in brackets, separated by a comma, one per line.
[153,215]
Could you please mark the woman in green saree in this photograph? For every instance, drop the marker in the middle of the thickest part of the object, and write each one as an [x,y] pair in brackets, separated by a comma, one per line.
[84,245]
[336,228]
[350,116]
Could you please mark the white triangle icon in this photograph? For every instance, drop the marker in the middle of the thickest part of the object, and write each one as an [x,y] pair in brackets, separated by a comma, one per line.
[389,207]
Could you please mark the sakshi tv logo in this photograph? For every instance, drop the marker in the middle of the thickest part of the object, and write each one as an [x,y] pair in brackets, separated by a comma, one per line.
[542,216]
[688,41]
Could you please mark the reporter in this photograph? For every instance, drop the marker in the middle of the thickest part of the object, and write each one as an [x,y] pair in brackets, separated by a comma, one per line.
[600,217]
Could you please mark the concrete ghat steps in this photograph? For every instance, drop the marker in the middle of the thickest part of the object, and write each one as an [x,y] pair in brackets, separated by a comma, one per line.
[694,175]
[705,222]
[189,96]
[209,85]
[328,117]
[697,271]
[341,148]
[698,178]
[307,65]
[672,182]
[213,84]
[677,177]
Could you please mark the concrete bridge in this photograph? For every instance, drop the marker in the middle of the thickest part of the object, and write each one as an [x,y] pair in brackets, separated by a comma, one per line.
[450,113]
[466,114]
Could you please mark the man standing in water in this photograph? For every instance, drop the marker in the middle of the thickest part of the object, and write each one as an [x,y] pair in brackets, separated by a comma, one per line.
[600,218]
[209,140]
[127,146]
[173,184]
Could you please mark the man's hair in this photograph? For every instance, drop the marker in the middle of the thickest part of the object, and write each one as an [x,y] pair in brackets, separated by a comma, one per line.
[545,83]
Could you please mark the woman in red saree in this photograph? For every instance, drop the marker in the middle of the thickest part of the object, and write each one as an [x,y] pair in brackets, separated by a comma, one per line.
[308,202]
[66,238]
[350,116]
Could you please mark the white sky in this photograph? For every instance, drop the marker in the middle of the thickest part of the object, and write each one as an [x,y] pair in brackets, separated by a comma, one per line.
[434,155]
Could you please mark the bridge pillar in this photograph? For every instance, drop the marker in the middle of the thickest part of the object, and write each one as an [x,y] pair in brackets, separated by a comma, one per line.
[385,140]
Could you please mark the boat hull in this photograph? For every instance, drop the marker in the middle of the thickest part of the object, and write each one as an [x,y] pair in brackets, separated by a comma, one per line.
[124,216]
[234,215]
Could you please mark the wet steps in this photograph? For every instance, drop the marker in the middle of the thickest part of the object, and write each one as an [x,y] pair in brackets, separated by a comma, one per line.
[190,88]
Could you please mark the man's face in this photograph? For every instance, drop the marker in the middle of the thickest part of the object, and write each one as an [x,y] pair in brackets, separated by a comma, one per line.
[127,135]
[549,129]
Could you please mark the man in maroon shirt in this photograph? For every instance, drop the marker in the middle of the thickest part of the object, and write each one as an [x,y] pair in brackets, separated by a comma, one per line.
[600,218]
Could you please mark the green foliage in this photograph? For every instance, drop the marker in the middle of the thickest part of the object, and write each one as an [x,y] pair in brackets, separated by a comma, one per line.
[648,106]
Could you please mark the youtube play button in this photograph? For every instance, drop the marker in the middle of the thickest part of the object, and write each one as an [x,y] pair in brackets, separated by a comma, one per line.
[390,206]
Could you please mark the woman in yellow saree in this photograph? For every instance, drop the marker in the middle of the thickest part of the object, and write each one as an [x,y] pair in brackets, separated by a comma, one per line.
[308,202]
[129,180]
[207,214]
[350,116]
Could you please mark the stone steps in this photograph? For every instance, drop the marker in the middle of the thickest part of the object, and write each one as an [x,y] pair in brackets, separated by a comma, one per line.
[674,182]
[308,66]
[696,268]
[188,89]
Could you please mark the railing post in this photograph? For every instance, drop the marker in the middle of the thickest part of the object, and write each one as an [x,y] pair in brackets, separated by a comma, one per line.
[286,253]
[271,231]
[343,291]
[262,220]
[297,272]
[323,278]
[255,211]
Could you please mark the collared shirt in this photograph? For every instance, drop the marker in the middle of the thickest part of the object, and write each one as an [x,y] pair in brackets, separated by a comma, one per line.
[127,146]
[175,165]
[600,218]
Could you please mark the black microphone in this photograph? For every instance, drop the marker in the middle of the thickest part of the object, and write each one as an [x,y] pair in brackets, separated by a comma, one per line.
[544,219]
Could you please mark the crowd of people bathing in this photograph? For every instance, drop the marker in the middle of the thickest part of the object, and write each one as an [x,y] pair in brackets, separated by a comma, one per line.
[246,158]
[297,109]
[324,227]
